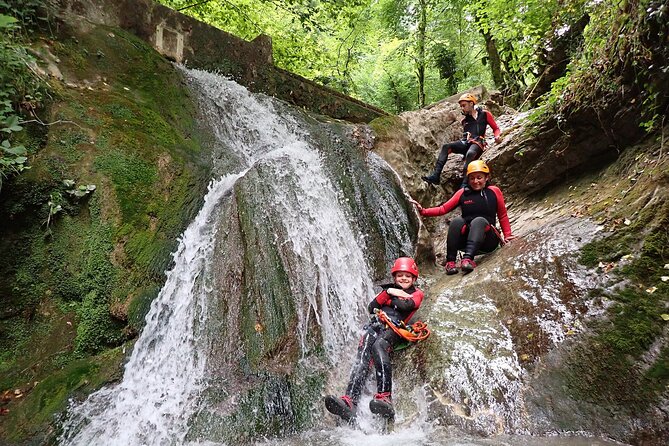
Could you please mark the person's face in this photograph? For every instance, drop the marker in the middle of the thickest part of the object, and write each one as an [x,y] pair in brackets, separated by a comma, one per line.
[467,107]
[477,180]
[404,279]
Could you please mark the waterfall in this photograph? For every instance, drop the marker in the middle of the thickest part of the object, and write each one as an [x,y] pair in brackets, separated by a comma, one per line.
[162,377]
[313,230]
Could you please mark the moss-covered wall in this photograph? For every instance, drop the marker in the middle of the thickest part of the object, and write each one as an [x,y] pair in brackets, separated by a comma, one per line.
[77,280]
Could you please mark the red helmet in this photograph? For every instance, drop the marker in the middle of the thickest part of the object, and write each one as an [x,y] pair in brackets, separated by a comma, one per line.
[405,264]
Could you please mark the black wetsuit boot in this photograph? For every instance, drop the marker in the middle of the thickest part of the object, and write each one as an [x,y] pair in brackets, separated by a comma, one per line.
[342,407]
[435,176]
[382,405]
[467,265]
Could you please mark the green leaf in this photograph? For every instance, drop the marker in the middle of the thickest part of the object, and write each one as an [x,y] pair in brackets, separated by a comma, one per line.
[12,124]
[16,150]
[6,21]
[665,316]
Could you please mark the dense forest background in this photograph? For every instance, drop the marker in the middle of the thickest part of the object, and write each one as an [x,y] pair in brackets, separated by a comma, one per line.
[404,54]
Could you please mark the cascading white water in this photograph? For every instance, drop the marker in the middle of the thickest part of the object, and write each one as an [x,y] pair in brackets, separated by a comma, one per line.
[333,283]
[163,378]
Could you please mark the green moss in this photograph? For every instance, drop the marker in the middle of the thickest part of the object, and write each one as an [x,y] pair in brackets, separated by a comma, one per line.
[140,305]
[96,329]
[132,178]
[133,134]
[41,400]
[266,283]
[386,126]
[608,249]
[607,360]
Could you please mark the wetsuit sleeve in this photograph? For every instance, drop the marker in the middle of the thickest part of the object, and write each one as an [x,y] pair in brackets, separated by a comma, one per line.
[445,208]
[381,299]
[403,305]
[417,297]
[408,304]
[493,125]
[501,212]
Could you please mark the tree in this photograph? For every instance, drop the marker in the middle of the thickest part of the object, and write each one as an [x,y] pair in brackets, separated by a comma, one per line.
[514,33]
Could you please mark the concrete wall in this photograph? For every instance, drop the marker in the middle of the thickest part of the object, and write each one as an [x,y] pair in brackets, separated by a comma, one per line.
[197,45]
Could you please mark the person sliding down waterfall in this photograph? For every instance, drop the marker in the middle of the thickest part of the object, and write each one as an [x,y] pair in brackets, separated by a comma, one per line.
[395,304]
[475,230]
[473,144]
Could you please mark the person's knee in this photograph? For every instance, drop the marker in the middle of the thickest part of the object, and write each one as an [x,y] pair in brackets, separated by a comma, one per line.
[471,155]
[479,222]
[458,221]
[456,225]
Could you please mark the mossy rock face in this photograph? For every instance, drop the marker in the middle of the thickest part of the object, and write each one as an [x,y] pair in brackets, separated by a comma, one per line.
[275,406]
[78,280]
[613,380]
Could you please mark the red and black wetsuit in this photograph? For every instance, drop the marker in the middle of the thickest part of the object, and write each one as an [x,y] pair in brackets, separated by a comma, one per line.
[472,231]
[473,141]
[378,340]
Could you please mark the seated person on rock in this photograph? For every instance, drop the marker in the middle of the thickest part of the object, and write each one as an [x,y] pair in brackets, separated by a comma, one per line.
[473,144]
[399,301]
[474,232]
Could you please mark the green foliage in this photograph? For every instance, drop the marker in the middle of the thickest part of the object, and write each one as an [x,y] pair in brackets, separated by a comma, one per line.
[15,85]
[29,12]
[623,59]
[57,201]
[376,51]
[516,30]
[445,59]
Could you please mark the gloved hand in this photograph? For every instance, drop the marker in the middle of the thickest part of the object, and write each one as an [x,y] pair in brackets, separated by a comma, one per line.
[395,301]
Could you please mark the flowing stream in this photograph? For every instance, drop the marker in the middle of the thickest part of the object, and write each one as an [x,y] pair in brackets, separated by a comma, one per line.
[283,190]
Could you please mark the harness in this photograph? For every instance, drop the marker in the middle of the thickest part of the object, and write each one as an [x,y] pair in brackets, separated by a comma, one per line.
[415,332]
[477,139]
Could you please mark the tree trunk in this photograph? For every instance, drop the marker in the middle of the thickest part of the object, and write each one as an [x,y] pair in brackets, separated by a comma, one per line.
[494,59]
[420,51]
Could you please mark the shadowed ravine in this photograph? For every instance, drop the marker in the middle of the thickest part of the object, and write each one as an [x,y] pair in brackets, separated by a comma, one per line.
[260,313]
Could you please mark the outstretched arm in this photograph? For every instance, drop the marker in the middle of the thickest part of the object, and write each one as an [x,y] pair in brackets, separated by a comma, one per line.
[445,208]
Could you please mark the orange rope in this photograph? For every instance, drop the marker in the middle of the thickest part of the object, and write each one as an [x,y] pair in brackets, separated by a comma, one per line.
[415,332]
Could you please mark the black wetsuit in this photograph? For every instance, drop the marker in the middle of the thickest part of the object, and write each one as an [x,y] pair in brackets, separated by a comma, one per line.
[377,342]
[473,231]
[472,143]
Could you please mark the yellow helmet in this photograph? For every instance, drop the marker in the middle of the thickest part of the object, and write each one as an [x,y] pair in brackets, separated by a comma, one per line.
[478,166]
[468,97]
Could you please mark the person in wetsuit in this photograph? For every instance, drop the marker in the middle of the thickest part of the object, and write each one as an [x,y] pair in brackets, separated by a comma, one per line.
[474,231]
[472,144]
[399,300]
